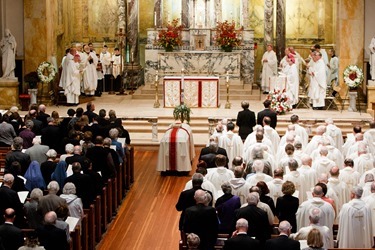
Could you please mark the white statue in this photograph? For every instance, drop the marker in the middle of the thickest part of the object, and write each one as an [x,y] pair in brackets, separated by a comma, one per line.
[372,58]
[8,47]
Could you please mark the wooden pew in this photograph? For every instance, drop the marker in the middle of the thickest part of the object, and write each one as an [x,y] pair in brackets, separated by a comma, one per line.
[114,197]
[109,201]
[91,226]
[98,218]
[131,156]
[127,172]
[104,210]
[85,233]
[120,189]
[75,235]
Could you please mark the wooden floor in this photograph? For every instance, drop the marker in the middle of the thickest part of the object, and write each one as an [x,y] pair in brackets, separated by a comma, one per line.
[147,218]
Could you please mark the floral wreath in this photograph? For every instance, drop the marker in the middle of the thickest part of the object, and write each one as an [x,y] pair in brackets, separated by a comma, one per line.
[353,76]
[46,66]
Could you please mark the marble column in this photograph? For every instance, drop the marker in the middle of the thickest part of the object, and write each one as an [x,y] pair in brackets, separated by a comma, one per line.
[349,35]
[245,14]
[133,29]
[218,12]
[157,11]
[121,15]
[185,13]
[268,22]
[280,29]
[193,23]
[206,14]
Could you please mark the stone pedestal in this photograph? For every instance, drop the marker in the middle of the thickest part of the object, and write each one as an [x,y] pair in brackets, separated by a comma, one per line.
[370,99]
[352,101]
[8,93]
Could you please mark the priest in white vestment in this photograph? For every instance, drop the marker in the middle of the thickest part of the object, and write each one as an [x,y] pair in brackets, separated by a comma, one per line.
[369,135]
[232,143]
[292,76]
[73,80]
[284,162]
[251,139]
[320,135]
[314,216]
[311,177]
[220,174]
[335,133]
[271,133]
[355,227]
[362,178]
[275,186]
[269,68]
[300,131]
[333,153]
[372,58]
[258,167]
[323,164]
[284,61]
[370,201]
[64,66]
[318,84]
[298,180]
[339,187]
[105,58]
[239,185]
[328,213]
[291,129]
[349,175]
[175,150]
[89,60]
[365,161]
[369,179]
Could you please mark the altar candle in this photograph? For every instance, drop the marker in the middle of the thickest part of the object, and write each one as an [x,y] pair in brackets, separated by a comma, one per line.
[227,76]
[132,57]
[155,18]
[157,76]
[182,79]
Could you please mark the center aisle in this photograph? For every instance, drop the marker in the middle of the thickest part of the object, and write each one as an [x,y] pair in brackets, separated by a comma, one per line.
[147,218]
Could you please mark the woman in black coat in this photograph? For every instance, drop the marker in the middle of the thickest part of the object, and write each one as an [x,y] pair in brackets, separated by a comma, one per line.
[287,205]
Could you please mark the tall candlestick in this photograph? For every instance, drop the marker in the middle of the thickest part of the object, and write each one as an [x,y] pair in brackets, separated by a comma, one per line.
[227,76]
[157,76]
[155,18]
[132,57]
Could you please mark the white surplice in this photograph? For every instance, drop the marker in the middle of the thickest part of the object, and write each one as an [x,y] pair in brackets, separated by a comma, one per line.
[255,178]
[355,228]
[240,188]
[349,176]
[218,176]
[311,178]
[275,187]
[292,88]
[90,76]
[73,82]
[323,165]
[370,201]
[318,83]
[363,163]
[341,190]
[233,144]
[335,133]
[268,69]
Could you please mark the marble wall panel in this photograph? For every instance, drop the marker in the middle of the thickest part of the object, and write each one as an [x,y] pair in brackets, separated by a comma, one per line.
[8,94]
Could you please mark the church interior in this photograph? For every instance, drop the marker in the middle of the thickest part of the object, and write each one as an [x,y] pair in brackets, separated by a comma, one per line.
[144,214]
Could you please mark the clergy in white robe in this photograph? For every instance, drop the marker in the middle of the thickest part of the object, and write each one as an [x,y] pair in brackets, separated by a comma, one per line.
[64,66]
[258,167]
[117,63]
[105,58]
[284,162]
[335,133]
[365,161]
[239,185]
[232,143]
[339,187]
[174,150]
[276,184]
[284,61]
[311,177]
[265,207]
[370,201]
[355,228]
[73,80]
[298,180]
[206,185]
[369,135]
[320,135]
[362,178]
[220,174]
[291,129]
[89,60]
[333,69]
[292,76]
[369,179]
[349,175]
[254,138]
[271,133]
[333,153]
[300,131]
[269,68]
[314,216]
[323,164]
[327,216]
[318,84]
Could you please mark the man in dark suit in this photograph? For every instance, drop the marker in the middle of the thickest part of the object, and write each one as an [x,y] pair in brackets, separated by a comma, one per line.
[51,135]
[267,112]
[256,217]
[17,155]
[9,199]
[51,201]
[240,239]
[12,235]
[90,108]
[245,120]
[84,185]
[202,220]
[283,242]
[42,115]
[50,236]
[77,157]
[208,154]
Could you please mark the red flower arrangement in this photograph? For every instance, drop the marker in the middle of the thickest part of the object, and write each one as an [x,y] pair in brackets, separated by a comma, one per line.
[226,35]
[171,37]
[280,102]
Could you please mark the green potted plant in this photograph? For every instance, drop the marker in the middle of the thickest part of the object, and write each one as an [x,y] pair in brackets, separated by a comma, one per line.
[182,113]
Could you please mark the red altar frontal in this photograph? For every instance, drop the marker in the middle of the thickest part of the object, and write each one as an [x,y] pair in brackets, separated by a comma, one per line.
[197,91]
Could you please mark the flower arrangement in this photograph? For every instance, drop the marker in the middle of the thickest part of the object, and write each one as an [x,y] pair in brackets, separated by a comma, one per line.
[280,102]
[182,113]
[171,37]
[353,76]
[226,35]
[46,72]
[32,78]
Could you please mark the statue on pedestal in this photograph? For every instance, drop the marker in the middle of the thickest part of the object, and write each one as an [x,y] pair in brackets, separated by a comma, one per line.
[8,47]
[372,58]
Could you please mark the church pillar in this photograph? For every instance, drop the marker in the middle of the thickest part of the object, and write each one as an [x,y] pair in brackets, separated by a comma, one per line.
[218,12]
[280,29]
[121,15]
[133,30]
[185,13]
[206,14]
[157,13]
[268,22]
[245,13]
[193,23]
[349,36]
